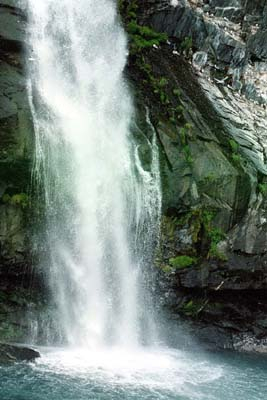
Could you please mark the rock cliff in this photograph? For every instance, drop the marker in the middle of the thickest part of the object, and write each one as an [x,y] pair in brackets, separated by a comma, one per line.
[206,90]
[16,157]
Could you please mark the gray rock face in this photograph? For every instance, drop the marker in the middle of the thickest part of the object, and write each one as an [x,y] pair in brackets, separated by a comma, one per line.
[214,172]
[233,34]
[12,26]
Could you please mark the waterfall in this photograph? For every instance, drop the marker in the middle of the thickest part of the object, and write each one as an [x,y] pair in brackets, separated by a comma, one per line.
[102,207]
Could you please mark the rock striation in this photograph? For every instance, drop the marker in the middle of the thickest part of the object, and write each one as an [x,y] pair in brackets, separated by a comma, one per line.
[213,162]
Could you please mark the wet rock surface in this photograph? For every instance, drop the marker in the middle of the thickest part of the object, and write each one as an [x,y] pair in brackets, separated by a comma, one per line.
[18,289]
[213,163]
[13,353]
[16,136]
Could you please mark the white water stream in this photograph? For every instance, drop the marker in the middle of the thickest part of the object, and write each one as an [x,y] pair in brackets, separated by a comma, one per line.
[102,208]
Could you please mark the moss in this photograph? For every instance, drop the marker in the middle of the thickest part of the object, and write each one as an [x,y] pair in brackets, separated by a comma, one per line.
[142,37]
[209,179]
[234,145]
[185,134]
[200,222]
[235,155]
[236,158]
[186,45]
[181,262]
[215,235]
[167,269]
[170,224]
[128,10]
[19,199]
[198,218]
[192,308]
[177,92]
[159,87]
[187,153]
[262,188]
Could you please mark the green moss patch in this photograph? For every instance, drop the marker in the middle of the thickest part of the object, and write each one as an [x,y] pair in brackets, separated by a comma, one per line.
[181,262]
[19,199]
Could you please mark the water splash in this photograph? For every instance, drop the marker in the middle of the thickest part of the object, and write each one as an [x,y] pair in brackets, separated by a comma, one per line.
[102,208]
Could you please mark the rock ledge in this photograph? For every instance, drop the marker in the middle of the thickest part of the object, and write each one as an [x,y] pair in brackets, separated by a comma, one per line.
[10,353]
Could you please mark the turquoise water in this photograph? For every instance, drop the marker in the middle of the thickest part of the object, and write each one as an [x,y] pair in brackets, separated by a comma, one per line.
[135,375]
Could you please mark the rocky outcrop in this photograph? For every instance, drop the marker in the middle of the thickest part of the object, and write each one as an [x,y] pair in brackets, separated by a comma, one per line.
[206,91]
[16,136]
[11,353]
[16,154]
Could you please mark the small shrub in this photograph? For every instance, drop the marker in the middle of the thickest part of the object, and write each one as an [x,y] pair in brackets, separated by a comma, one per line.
[182,262]
[262,187]
[187,44]
[236,158]
[167,269]
[234,145]
[20,199]
[192,308]
[216,235]
[187,153]
[143,37]
[6,198]
[176,92]
[235,149]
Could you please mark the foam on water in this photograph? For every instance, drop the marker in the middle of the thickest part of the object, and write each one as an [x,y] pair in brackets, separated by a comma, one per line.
[147,374]
[154,369]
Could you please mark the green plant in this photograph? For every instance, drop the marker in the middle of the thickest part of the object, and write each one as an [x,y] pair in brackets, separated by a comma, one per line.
[234,145]
[177,92]
[192,308]
[161,87]
[142,37]
[187,44]
[181,262]
[216,235]
[162,82]
[19,199]
[210,178]
[158,85]
[235,151]
[262,188]
[169,225]
[236,158]
[185,132]
[167,269]
[200,220]
[128,10]
[187,153]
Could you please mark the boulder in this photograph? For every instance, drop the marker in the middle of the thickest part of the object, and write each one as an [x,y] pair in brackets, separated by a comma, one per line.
[10,353]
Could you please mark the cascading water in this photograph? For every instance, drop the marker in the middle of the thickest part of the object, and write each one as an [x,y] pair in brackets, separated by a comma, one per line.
[102,213]
[102,207]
